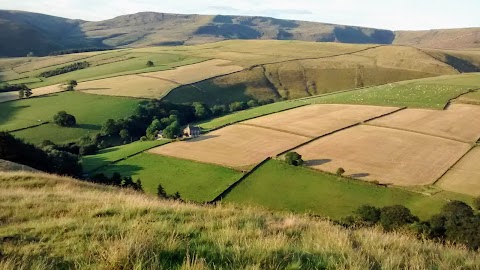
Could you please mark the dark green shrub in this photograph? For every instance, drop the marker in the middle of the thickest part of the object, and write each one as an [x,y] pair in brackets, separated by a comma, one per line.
[368,213]
[395,217]
[294,159]
[64,119]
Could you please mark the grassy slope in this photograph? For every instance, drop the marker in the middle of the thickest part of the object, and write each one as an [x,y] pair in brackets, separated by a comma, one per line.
[84,226]
[304,190]
[109,155]
[423,93]
[195,181]
[90,111]
[427,93]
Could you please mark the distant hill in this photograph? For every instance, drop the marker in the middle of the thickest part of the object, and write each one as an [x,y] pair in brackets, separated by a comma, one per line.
[24,32]
[8,166]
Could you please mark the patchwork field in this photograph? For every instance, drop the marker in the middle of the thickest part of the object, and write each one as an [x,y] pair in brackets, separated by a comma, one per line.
[316,120]
[157,84]
[233,146]
[389,156]
[460,122]
[195,181]
[9,96]
[113,154]
[464,177]
[301,190]
[90,111]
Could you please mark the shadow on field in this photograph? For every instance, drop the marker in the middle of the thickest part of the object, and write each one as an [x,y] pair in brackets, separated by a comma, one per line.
[202,138]
[88,126]
[8,110]
[317,162]
[124,170]
[359,175]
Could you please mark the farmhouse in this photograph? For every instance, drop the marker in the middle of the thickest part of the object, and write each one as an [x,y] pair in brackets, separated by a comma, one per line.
[192,131]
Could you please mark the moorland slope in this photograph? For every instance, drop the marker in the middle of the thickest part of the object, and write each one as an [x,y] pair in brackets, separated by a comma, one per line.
[75,224]
[24,32]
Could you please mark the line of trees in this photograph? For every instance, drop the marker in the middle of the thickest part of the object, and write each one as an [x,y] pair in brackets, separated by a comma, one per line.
[457,222]
[80,50]
[12,87]
[46,158]
[155,116]
[65,69]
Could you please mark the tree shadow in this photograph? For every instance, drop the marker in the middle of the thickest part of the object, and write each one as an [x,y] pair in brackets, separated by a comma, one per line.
[88,126]
[8,110]
[317,162]
[359,175]
[110,169]
[93,88]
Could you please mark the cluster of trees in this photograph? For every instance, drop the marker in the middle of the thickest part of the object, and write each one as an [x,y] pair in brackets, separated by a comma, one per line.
[457,222]
[46,158]
[12,87]
[70,51]
[162,194]
[64,119]
[65,69]
[154,116]
[117,180]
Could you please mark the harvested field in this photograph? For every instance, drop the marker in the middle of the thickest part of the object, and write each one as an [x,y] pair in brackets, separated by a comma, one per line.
[156,84]
[9,96]
[388,155]
[128,86]
[317,120]
[196,72]
[460,122]
[464,177]
[234,146]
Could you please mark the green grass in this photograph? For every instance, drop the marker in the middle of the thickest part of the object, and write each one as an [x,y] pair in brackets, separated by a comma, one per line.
[304,190]
[91,111]
[109,155]
[431,93]
[195,181]
[49,222]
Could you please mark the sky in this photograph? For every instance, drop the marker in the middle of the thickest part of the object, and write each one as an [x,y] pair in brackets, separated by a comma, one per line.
[386,14]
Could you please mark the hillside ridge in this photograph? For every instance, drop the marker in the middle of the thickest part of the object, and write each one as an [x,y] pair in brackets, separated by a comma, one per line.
[42,34]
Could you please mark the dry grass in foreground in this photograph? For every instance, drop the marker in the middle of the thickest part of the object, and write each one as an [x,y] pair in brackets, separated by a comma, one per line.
[50,222]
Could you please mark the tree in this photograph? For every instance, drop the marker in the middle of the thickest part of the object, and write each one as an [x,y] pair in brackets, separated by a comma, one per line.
[64,119]
[71,85]
[396,216]
[238,106]
[64,163]
[476,203]
[21,93]
[100,178]
[369,214]
[340,171]
[218,110]
[150,63]
[27,91]
[139,186]
[176,196]
[127,182]
[161,193]
[116,179]
[124,134]
[252,103]
[293,158]
[154,128]
[110,128]
[172,130]
[201,111]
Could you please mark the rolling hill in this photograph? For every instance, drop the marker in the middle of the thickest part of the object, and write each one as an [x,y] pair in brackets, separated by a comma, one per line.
[51,222]
[43,34]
